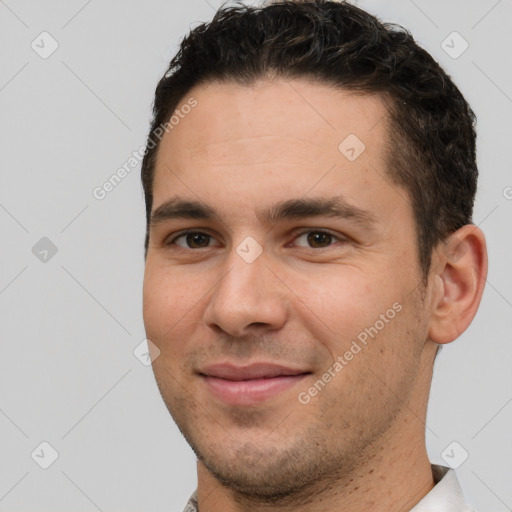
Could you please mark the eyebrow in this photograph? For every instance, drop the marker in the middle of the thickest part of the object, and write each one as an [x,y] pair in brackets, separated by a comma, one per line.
[334,207]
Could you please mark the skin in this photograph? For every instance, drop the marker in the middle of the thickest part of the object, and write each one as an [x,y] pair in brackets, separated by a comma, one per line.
[359,444]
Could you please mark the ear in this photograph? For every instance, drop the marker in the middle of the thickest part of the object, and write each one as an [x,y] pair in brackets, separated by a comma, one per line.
[459,280]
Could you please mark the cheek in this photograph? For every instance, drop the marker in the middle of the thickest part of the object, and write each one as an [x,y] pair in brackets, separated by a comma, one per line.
[339,303]
[168,303]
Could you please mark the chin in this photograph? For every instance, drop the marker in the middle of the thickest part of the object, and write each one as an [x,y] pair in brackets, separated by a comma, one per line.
[264,479]
[267,474]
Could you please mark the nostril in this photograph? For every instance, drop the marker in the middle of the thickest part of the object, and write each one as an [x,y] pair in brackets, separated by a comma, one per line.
[258,324]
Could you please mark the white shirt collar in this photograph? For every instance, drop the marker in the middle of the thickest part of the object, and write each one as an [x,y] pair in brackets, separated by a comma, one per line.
[446,496]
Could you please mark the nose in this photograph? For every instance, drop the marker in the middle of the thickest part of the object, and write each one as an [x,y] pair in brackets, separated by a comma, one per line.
[250,297]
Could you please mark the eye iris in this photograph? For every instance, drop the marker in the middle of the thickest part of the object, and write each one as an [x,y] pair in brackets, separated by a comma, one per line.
[317,238]
[197,239]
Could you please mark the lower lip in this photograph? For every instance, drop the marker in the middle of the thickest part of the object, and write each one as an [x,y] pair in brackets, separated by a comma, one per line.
[250,392]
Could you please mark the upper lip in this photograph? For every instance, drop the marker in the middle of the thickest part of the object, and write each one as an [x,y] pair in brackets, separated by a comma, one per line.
[230,371]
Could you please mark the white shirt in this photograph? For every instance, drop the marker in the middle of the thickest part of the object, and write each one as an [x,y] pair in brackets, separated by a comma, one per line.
[446,496]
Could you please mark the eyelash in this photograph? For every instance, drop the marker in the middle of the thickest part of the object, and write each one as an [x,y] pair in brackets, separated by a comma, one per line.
[298,235]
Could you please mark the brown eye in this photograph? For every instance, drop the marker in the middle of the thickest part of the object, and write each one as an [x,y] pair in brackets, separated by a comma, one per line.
[315,239]
[192,240]
[319,238]
[198,239]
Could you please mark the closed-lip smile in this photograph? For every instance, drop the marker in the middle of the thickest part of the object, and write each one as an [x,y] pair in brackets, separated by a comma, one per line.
[249,384]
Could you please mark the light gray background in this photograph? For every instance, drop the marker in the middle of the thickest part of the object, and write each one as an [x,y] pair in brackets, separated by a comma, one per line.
[68,375]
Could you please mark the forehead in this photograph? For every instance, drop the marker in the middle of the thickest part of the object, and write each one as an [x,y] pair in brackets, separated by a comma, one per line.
[272,139]
[317,113]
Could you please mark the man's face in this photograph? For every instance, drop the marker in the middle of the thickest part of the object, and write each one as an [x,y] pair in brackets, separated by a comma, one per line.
[249,312]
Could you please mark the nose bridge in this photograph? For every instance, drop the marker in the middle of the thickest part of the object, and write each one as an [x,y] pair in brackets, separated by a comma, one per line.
[247,294]
[244,280]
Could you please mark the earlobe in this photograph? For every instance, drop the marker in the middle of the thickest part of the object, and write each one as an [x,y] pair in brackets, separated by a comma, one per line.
[460,277]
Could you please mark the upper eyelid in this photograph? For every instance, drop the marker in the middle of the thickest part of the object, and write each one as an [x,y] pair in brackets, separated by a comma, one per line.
[303,231]
[170,240]
[178,234]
